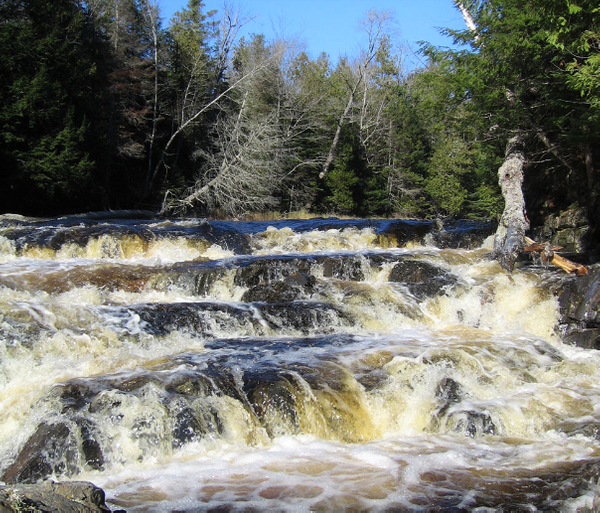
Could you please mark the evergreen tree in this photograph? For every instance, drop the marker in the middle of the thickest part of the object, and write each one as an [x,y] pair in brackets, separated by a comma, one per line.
[515,88]
[51,81]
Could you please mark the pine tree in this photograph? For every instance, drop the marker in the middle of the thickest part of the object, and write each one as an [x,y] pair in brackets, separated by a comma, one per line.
[51,82]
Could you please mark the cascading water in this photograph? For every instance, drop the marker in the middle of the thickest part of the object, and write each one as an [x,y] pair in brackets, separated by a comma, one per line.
[297,365]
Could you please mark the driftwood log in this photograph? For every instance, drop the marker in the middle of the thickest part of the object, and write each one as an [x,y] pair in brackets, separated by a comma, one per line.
[548,256]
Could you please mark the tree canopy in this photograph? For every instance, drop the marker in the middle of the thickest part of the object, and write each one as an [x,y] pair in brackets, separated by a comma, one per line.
[103,105]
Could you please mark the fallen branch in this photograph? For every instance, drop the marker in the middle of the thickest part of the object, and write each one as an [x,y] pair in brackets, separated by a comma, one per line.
[548,255]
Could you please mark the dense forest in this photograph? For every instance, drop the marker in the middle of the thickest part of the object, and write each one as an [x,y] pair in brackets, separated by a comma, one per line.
[104,105]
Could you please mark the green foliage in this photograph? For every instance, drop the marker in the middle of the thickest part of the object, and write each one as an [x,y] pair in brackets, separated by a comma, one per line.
[573,28]
[94,94]
[525,70]
[51,81]
[450,163]
[485,203]
[341,182]
[376,198]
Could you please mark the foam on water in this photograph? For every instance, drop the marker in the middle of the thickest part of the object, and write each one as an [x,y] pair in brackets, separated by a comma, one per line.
[464,398]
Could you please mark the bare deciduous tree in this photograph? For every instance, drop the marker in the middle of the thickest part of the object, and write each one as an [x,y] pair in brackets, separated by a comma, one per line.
[263,124]
[241,170]
[195,99]
[375,25]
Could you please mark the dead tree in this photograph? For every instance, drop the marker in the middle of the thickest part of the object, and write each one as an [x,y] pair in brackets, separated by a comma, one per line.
[375,25]
[510,235]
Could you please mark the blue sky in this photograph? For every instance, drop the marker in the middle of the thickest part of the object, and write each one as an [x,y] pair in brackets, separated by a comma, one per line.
[331,26]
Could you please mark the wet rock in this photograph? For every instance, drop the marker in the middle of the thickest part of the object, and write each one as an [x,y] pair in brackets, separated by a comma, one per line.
[349,269]
[66,497]
[273,399]
[422,278]
[186,427]
[449,392]
[298,285]
[57,449]
[51,449]
[272,270]
[585,338]
[201,319]
[275,292]
[305,317]
[192,421]
[579,302]
[90,448]
[192,384]
[472,423]
[73,396]
[193,277]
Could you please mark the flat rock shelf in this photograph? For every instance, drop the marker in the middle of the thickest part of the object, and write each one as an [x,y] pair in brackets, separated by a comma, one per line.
[324,364]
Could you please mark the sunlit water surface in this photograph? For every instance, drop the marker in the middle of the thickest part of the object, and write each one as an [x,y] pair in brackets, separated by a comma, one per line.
[301,365]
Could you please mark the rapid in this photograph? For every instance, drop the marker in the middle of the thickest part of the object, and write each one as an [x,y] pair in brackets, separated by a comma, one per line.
[302,365]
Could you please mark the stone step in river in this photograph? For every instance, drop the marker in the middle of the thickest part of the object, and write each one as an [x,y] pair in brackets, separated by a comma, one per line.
[325,364]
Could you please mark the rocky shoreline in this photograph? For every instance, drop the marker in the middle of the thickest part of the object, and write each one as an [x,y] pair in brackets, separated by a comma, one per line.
[66,497]
[579,302]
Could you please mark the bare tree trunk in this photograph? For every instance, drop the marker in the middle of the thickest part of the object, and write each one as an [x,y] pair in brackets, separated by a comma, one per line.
[510,235]
[338,130]
[468,17]
[374,25]
[152,13]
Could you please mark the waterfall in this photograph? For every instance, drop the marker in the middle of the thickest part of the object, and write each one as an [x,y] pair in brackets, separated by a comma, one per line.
[320,364]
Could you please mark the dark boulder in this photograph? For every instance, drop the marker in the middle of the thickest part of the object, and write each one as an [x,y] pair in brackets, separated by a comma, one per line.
[422,278]
[51,449]
[579,302]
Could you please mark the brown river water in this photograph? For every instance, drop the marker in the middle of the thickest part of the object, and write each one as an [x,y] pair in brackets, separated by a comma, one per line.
[306,365]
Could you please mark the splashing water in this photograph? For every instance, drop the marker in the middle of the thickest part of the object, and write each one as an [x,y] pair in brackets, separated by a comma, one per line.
[301,365]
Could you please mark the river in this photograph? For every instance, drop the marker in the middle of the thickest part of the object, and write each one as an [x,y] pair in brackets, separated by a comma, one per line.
[325,364]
